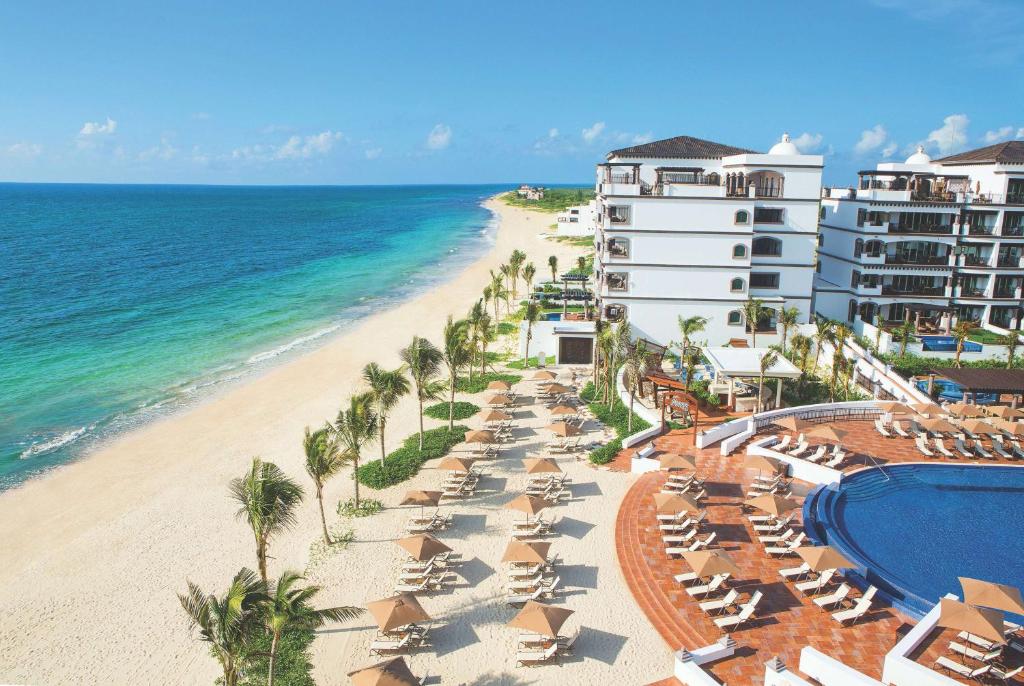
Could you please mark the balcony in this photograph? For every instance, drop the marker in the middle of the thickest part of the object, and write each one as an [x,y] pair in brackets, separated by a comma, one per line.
[937,230]
[921,260]
[935,292]
[971,260]
[970,292]
[1008,261]
[1005,294]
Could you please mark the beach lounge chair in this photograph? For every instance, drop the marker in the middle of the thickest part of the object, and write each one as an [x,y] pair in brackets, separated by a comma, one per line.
[705,590]
[834,598]
[434,582]
[979,449]
[997,447]
[690,577]
[816,585]
[565,643]
[533,570]
[722,604]
[859,609]
[776,526]
[1004,675]
[696,545]
[795,573]
[880,428]
[684,537]
[941,447]
[959,446]
[538,528]
[799,450]
[546,590]
[783,444]
[835,461]
[385,646]
[817,455]
[532,658]
[898,428]
[788,549]
[961,669]
[781,538]
[745,614]
[778,488]
[975,655]
[922,447]
[528,584]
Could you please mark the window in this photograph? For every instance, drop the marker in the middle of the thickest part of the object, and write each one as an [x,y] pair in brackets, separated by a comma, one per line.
[766,246]
[862,215]
[618,281]
[851,311]
[855,279]
[736,285]
[618,247]
[742,217]
[858,247]
[769,280]
[768,215]
[821,214]
[614,313]
[618,214]
[735,318]
[739,251]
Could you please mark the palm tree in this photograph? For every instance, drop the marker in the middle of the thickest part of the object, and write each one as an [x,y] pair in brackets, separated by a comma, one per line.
[961,332]
[484,330]
[553,265]
[355,427]
[456,354]
[634,369]
[287,608]
[801,347]
[529,272]
[324,459]
[690,359]
[515,264]
[497,289]
[488,293]
[621,347]
[477,319]
[506,271]
[267,499]
[767,361]
[753,310]
[386,388]
[904,334]
[581,263]
[531,316]
[1011,340]
[689,327]
[842,333]
[788,318]
[226,623]
[838,364]
[422,360]
[606,346]
[822,335]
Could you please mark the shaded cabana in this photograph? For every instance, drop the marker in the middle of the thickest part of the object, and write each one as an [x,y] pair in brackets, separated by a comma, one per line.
[730,364]
[990,381]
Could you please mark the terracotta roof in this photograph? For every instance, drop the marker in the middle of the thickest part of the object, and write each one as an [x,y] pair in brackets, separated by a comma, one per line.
[981,380]
[1010,152]
[685,147]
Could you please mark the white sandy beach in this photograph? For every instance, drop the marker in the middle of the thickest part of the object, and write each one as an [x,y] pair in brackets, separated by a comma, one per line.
[94,553]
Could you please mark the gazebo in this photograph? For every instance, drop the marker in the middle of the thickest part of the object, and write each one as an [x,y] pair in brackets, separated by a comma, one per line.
[730,364]
[974,381]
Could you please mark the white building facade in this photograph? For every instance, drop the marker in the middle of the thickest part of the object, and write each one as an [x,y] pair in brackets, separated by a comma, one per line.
[927,242]
[578,220]
[689,227]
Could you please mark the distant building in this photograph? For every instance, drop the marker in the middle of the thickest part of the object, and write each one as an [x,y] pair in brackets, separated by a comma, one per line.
[930,242]
[689,227]
[578,220]
[530,192]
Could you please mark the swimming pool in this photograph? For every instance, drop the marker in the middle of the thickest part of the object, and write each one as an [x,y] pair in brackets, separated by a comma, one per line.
[948,344]
[912,529]
[951,391]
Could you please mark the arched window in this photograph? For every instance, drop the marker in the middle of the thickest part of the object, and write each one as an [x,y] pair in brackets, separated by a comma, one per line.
[768,184]
[736,285]
[735,318]
[851,311]
[739,251]
[742,217]
[858,247]
[821,214]
[766,246]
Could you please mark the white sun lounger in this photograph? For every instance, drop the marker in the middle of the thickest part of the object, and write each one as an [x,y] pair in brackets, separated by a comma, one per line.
[783,444]
[782,538]
[696,545]
[962,448]
[963,670]
[816,585]
[941,447]
[772,528]
[705,590]
[922,447]
[745,614]
[997,446]
[720,605]
[898,428]
[979,448]
[795,572]
[835,597]
[818,454]
[975,655]
[532,658]
[880,428]
[859,609]
[799,450]
[788,549]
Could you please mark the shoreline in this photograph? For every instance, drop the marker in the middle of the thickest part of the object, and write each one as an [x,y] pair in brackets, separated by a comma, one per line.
[96,549]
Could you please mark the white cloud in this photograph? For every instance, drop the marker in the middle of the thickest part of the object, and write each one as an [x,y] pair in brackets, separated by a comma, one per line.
[871,139]
[164,151]
[373,153]
[295,148]
[440,137]
[200,116]
[552,133]
[1020,132]
[1000,134]
[25,150]
[642,138]
[890,150]
[589,134]
[952,135]
[95,128]
[808,142]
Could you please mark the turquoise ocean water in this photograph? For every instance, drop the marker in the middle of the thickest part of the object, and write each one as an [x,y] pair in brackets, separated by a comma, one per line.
[121,303]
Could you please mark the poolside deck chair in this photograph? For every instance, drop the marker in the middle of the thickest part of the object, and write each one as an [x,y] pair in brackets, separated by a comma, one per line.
[941,447]
[835,461]
[898,428]
[880,428]
[979,449]
[998,449]
[696,545]
[960,669]
[705,590]
[834,598]
[788,549]
[959,446]
[383,646]
[547,591]
[781,538]
[783,444]
[776,526]
[745,614]
[684,537]
[817,454]
[722,604]
[799,450]
[777,488]
[859,609]
[975,655]
[1016,448]
[532,658]
[796,573]
[816,585]
[690,577]
[922,447]
[1004,675]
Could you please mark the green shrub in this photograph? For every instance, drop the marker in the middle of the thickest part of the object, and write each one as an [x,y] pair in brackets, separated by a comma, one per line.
[480,381]
[917,365]
[291,665]
[617,418]
[367,507]
[407,460]
[462,410]
[505,329]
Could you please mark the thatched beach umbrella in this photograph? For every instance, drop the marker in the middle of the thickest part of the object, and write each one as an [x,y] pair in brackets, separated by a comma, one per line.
[926,408]
[422,547]
[772,504]
[529,504]
[456,464]
[544,375]
[965,410]
[1012,428]
[976,621]
[490,416]
[480,436]
[499,385]
[674,503]
[979,426]
[936,425]
[561,410]
[892,407]
[541,465]
[422,498]
[822,557]
[397,611]
[563,429]
[499,400]
[989,594]
[761,463]
[710,562]
[530,552]
[558,388]
[827,432]
[393,672]
[540,619]
[1004,412]
[793,424]
[677,461]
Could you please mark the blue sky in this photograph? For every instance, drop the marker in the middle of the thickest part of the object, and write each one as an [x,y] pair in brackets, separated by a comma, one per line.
[463,92]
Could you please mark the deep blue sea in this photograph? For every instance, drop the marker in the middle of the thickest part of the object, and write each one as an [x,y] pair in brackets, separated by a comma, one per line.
[119,303]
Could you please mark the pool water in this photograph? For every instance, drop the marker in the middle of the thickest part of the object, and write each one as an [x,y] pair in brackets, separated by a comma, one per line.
[913,529]
[947,344]
[952,392]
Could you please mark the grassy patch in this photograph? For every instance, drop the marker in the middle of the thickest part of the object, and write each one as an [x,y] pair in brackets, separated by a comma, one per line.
[505,329]
[916,365]
[518,363]
[578,241]
[462,410]
[617,418]
[554,200]
[480,381]
[986,336]
[291,666]
[407,460]
[367,507]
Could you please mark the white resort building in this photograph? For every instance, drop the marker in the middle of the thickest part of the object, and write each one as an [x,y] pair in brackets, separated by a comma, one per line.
[577,220]
[690,227]
[927,241]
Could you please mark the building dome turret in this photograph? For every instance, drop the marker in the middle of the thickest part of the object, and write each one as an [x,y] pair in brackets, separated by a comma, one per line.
[784,147]
[919,157]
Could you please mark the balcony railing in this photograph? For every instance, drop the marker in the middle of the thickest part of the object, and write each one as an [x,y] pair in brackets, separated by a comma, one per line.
[904,228]
[1011,261]
[1004,293]
[976,260]
[917,259]
[971,292]
[927,292]
[980,230]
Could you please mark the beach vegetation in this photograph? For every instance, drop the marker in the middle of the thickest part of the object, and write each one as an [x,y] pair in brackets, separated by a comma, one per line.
[616,417]
[422,360]
[367,507]
[461,410]
[634,370]
[480,331]
[504,329]
[385,388]
[553,266]
[456,354]
[324,458]
[515,266]
[479,383]
[575,241]
[529,274]
[292,666]
[554,200]
[406,461]
[1011,340]
[789,317]
[531,313]
[267,499]
[356,426]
